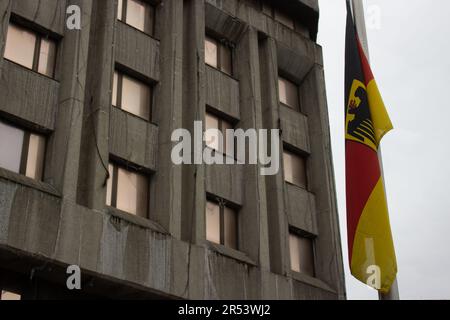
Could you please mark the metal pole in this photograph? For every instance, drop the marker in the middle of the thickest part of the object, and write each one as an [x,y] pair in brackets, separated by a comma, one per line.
[358,16]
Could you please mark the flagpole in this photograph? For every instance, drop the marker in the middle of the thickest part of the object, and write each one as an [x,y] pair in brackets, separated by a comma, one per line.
[358,16]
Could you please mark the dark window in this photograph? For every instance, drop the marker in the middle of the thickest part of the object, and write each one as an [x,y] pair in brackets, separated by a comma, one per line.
[289,93]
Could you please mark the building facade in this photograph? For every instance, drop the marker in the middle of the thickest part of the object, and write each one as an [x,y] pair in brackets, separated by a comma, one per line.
[86,176]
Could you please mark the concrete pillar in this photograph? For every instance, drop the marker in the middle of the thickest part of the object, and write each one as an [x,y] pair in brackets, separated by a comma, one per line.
[167,208]
[65,143]
[194,186]
[95,147]
[329,266]
[5,13]
[277,220]
[254,211]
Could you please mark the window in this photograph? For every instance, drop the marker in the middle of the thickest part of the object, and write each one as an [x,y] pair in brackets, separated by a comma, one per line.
[128,191]
[30,50]
[221,225]
[9,296]
[218,55]
[278,15]
[301,254]
[294,169]
[284,19]
[289,93]
[213,141]
[138,14]
[25,153]
[131,95]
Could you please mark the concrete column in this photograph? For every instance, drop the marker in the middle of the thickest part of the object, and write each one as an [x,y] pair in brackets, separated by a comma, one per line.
[277,220]
[254,211]
[329,264]
[95,147]
[63,162]
[5,13]
[167,208]
[194,188]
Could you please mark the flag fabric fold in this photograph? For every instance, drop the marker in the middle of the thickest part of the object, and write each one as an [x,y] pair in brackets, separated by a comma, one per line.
[371,249]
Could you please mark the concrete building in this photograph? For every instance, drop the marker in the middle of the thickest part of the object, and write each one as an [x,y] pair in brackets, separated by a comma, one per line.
[86,176]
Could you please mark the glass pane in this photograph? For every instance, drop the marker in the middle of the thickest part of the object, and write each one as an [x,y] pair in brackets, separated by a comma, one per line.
[294,249]
[135,97]
[285,19]
[150,19]
[119,9]
[294,169]
[20,45]
[11,139]
[306,256]
[47,57]
[35,160]
[287,165]
[229,146]
[9,296]
[298,170]
[132,192]
[211,52]
[212,222]
[230,228]
[114,89]
[136,14]
[109,185]
[226,60]
[212,140]
[288,92]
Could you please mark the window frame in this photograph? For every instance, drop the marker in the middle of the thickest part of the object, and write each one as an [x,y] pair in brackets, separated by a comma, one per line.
[271,11]
[304,157]
[298,107]
[25,148]
[220,45]
[312,240]
[115,184]
[223,204]
[221,121]
[39,36]
[119,94]
[149,28]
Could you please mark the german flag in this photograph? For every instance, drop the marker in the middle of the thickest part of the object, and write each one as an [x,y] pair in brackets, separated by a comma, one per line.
[371,249]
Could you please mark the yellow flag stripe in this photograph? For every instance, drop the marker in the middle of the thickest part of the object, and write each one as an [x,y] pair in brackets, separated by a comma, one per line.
[381,122]
[373,259]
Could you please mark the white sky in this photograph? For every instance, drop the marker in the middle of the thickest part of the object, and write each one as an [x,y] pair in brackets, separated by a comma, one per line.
[410,58]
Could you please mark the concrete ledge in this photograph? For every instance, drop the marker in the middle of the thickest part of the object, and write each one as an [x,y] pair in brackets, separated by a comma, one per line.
[294,126]
[137,51]
[28,95]
[301,209]
[50,14]
[128,142]
[223,24]
[222,92]
[225,181]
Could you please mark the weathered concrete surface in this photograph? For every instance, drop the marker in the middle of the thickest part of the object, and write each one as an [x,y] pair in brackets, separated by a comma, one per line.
[64,220]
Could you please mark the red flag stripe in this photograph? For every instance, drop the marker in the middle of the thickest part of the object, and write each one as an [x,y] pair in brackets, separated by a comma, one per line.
[363,173]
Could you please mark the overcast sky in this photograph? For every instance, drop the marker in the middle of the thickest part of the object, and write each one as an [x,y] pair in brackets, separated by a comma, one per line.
[410,58]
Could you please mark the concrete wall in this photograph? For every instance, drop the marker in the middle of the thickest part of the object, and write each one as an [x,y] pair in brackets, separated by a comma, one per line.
[64,220]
